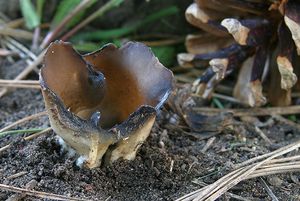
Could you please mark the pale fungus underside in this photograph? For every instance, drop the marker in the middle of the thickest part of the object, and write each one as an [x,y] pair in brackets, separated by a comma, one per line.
[103,104]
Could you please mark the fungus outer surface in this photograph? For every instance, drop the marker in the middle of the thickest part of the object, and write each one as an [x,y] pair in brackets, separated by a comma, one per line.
[103,104]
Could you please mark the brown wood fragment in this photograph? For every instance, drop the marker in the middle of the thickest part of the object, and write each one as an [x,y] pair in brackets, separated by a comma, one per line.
[219,66]
[259,63]
[288,78]
[205,19]
[233,7]
[186,60]
[292,20]
[258,97]
[205,123]
[203,85]
[242,89]
[285,57]
[253,24]
[276,95]
[238,31]
[222,63]
[203,43]
[250,32]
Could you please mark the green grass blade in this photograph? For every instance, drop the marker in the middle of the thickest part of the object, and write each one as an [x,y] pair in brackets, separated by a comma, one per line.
[11,132]
[165,54]
[218,103]
[117,33]
[29,13]
[90,46]
[65,7]
[87,47]
[39,9]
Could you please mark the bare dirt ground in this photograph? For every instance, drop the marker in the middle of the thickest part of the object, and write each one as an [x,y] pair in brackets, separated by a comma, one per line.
[170,164]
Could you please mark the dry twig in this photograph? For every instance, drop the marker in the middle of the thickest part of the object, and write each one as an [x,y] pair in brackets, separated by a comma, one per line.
[266,165]
[263,135]
[30,137]
[26,71]
[28,118]
[20,83]
[39,194]
[27,138]
[268,189]
[19,174]
[52,34]
[252,111]
[208,144]
[29,186]
[6,31]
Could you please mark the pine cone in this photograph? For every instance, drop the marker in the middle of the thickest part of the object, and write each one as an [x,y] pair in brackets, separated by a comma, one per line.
[260,38]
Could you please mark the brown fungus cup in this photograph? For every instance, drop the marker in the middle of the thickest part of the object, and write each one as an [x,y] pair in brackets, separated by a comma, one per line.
[103,104]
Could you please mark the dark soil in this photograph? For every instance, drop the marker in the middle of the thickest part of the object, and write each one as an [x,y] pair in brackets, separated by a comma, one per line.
[151,175]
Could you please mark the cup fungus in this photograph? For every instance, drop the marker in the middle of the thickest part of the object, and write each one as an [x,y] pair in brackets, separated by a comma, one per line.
[103,104]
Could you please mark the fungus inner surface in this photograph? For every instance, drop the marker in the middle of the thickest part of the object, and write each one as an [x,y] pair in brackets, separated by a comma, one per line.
[115,82]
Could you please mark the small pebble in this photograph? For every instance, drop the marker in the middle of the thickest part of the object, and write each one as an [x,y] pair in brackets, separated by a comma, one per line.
[157,172]
[161,144]
[275,181]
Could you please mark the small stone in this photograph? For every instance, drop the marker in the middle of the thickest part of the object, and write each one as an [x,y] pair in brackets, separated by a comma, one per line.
[275,181]
[157,172]
[183,167]
[161,144]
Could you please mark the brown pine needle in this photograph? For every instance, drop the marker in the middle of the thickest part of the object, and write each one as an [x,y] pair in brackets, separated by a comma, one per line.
[53,34]
[270,171]
[226,98]
[18,33]
[35,82]
[39,194]
[16,175]
[268,189]
[30,186]
[30,137]
[5,52]
[15,23]
[263,135]
[267,166]
[28,118]
[32,84]
[282,160]
[102,10]
[20,47]
[252,111]
[201,193]
[164,42]
[26,71]
[25,86]
[5,148]
[252,160]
